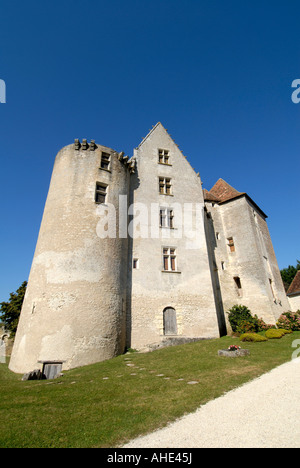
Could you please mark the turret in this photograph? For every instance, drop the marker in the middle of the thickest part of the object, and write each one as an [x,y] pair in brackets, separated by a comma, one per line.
[74,310]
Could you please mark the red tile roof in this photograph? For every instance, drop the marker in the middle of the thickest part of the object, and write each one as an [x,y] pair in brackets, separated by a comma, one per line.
[208,196]
[223,191]
[295,286]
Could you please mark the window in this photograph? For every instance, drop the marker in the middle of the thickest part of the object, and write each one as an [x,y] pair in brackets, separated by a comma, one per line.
[105,161]
[169,259]
[231,244]
[218,237]
[272,289]
[166,218]
[165,186]
[223,266]
[238,285]
[135,263]
[101,192]
[163,156]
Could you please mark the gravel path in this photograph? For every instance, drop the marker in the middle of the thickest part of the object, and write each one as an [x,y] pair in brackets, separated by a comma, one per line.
[263,413]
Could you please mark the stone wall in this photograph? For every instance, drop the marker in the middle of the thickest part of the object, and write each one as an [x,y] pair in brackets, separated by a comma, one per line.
[188,290]
[75,305]
[244,258]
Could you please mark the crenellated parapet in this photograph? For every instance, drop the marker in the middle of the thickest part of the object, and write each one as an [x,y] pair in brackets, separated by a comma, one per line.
[130,163]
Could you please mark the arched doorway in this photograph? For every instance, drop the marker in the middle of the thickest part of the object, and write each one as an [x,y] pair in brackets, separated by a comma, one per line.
[170,321]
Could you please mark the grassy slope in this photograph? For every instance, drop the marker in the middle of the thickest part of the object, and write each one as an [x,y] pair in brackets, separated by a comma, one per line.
[103,405]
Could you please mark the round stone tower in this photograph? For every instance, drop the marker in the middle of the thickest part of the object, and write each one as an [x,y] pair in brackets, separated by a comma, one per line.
[74,310]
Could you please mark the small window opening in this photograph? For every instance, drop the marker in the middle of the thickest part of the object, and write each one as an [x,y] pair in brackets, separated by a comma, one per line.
[166,218]
[223,266]
[163,156]
[101,192]
[105,161]
[231,244]
[135,263]
[169,259]
[165,186]
[272,289]
[238,285]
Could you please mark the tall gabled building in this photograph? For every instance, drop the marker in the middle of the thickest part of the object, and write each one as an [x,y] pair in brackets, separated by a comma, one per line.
[242,253]
[132,252]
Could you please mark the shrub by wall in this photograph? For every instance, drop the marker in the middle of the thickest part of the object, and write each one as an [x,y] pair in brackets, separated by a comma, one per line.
[289,321]
[242,321]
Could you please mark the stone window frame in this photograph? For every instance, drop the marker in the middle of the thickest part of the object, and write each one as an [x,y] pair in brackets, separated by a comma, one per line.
[165,186]
[169,260]
[164,157]
[166,217]
[105,161]
[101,190]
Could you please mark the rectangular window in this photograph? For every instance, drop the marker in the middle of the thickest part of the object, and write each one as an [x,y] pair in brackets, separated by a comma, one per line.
[169,259]
[231,244]
[163,156]
[272,289]
[165,186]
[101,192]
[135,263]
[166,218]
[105,161]
[238,285]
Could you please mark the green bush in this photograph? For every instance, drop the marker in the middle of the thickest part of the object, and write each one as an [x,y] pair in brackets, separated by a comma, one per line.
[254,337]
[241,321]
[237,315]
[289,321]
[274,334]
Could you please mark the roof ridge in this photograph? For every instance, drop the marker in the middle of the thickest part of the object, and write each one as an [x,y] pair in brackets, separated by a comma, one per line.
[295,285]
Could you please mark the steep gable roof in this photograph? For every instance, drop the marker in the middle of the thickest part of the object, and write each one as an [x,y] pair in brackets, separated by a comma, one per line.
[152,130]
[208,196]
[295,286]
[222,192]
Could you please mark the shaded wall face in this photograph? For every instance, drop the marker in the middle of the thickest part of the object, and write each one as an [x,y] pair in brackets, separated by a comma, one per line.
[245,259]
[74,308]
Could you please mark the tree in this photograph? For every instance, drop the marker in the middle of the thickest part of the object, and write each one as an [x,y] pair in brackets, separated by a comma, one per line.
[289,273]
[10,311]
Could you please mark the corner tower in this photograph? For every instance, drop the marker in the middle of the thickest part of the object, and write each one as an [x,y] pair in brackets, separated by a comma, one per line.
[74,310]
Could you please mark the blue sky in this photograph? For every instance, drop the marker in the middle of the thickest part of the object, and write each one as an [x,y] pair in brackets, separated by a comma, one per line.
[217,74]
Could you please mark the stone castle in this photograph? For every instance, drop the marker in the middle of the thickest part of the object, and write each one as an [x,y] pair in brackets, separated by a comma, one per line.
[133,253]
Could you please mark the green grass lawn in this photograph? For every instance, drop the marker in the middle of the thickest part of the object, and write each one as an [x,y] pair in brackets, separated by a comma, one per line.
[106,404]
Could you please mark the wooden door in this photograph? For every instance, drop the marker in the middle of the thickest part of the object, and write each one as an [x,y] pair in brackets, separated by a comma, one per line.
[170,322]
